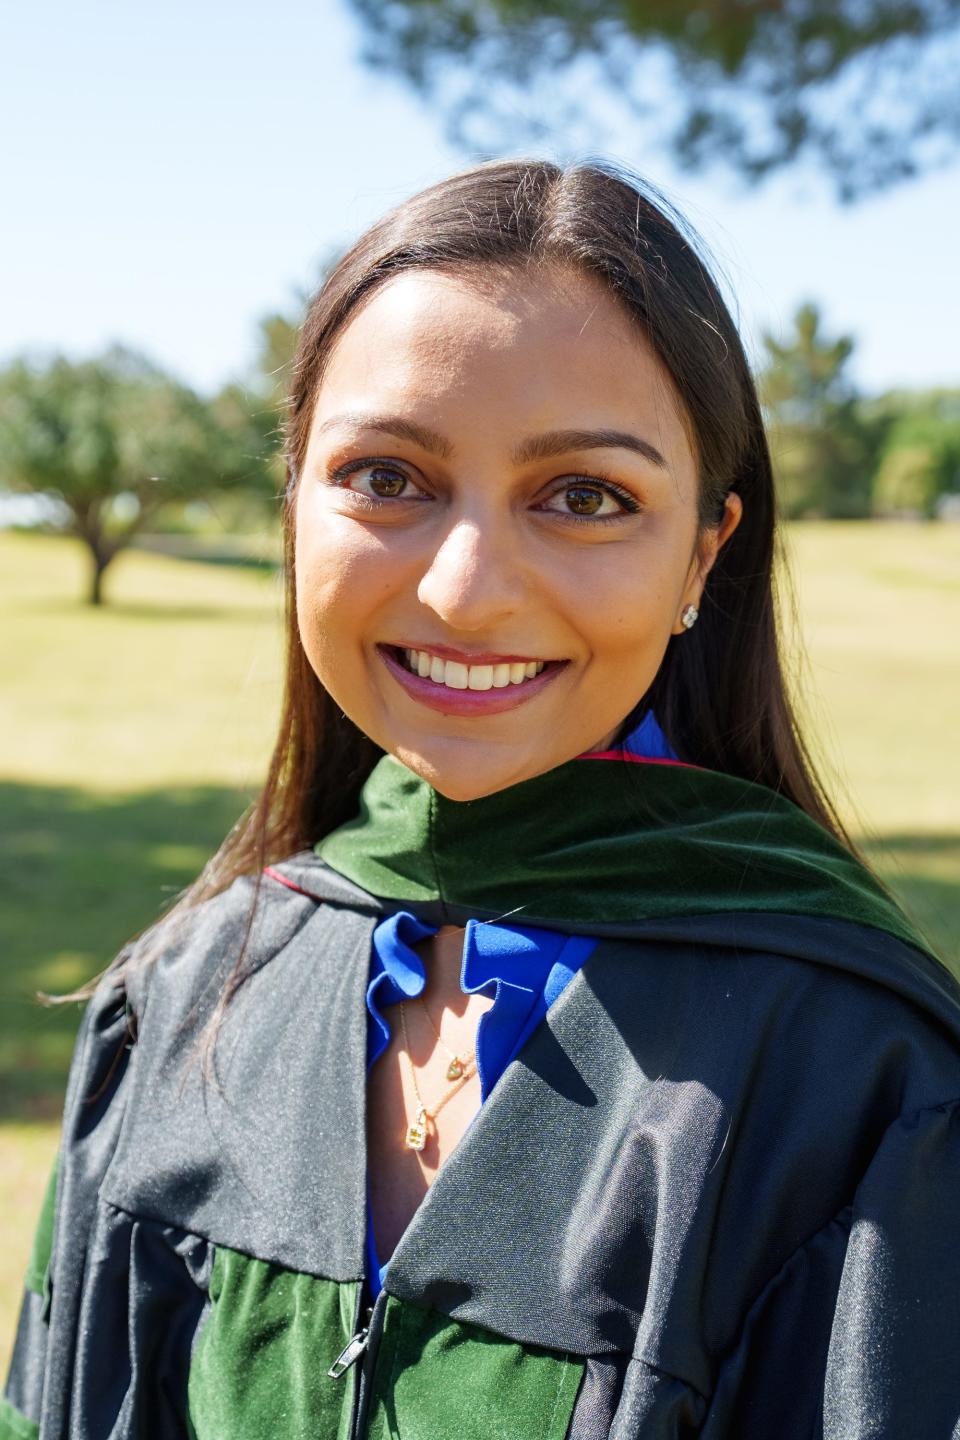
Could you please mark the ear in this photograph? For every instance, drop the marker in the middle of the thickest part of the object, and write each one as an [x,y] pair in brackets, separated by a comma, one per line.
[708,548]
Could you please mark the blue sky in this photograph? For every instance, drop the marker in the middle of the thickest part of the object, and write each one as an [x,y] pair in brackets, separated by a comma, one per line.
[172,172]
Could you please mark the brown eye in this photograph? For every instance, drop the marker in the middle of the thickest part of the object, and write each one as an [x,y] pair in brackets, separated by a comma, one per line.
[584,501]
[590,497]
[388,484]
[375,483]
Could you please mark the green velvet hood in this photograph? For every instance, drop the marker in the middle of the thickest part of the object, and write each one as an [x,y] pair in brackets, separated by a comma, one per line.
[603,841]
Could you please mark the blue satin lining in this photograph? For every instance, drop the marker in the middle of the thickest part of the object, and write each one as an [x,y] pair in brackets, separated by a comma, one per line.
[648,739]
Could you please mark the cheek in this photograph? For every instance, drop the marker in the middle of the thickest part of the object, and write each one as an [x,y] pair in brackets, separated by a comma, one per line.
[341,579]
[626,601]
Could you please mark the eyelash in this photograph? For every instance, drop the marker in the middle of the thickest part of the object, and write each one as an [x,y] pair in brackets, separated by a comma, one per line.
[629,502]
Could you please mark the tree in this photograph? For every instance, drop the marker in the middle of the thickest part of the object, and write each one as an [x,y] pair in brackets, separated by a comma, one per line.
[279,334]
[866,89]
[113,440]
[906,482]
[920,456]
[278,338]
[822,455]
[264,401]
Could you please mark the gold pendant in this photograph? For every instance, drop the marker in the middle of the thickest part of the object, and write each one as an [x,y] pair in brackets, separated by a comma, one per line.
[454,1069]
[416,1136]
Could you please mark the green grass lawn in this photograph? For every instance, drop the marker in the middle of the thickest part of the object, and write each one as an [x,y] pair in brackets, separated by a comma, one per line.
[134,736]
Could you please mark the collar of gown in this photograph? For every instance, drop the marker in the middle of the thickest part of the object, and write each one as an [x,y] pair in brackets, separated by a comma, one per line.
[604,841]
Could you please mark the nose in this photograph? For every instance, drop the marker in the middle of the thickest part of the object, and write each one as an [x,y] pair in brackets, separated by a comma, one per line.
[475,578]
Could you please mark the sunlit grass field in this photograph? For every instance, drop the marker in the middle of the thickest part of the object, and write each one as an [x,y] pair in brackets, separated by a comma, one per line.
[132,737]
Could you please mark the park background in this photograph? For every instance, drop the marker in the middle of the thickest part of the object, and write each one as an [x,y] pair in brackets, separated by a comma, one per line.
[182,179]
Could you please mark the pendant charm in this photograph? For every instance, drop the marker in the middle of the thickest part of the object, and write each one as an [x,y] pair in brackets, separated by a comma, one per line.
[416,1136]
[454,1069]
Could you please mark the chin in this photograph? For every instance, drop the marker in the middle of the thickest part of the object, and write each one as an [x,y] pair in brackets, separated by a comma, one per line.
[466,777]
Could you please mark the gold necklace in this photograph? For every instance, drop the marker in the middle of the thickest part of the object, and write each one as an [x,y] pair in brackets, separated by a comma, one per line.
[415,1135]
[457,1066]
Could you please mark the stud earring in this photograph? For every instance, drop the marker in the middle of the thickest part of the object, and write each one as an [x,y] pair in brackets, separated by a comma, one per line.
[689,616]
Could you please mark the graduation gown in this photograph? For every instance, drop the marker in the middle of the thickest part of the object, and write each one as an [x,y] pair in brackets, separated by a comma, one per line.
[715,1194]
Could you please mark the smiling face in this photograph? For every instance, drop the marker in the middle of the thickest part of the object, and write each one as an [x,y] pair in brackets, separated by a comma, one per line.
[497,476]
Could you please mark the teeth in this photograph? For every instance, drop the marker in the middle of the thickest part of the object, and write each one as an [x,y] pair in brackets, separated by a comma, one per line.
[470,677]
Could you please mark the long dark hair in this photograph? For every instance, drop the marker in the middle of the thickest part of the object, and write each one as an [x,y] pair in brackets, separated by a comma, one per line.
[720,694]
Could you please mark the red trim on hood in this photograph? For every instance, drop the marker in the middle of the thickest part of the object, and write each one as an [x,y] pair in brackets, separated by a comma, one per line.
[282,880]
[632,759]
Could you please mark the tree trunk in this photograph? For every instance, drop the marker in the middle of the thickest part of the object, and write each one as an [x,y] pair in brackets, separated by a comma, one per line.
[100,557]
[88,526]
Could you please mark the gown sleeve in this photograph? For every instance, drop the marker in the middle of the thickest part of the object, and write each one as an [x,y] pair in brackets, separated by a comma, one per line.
[118,1291]
[859,1334]
[39,1381]
[893,1364]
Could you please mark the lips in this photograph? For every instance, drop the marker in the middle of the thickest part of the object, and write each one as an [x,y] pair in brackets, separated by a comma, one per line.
[482,696]
[474,675]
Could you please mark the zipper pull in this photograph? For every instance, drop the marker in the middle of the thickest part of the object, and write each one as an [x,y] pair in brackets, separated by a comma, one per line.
[350,1354]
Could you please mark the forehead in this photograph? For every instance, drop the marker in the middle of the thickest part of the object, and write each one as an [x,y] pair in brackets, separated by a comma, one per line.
[525,348]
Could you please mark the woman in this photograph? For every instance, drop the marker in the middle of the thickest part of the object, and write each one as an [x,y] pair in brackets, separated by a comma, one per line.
[660,1131]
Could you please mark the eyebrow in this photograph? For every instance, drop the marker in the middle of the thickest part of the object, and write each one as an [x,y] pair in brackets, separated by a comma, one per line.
[535,447]
[394,425]
[558,442]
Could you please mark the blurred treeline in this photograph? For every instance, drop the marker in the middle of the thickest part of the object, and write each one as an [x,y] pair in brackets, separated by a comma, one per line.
[839,454]
[114,448]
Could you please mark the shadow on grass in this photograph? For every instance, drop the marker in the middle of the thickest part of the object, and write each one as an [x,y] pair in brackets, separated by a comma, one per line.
[207,551]
[259,563]
[161,609]
[81,873]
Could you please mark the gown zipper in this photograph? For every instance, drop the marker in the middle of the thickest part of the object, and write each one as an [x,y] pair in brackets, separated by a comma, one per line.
[365,1343]
[355,1345]
[350,1354]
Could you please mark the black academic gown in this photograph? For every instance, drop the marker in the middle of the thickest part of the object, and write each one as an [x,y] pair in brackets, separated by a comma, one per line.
[715,1194]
